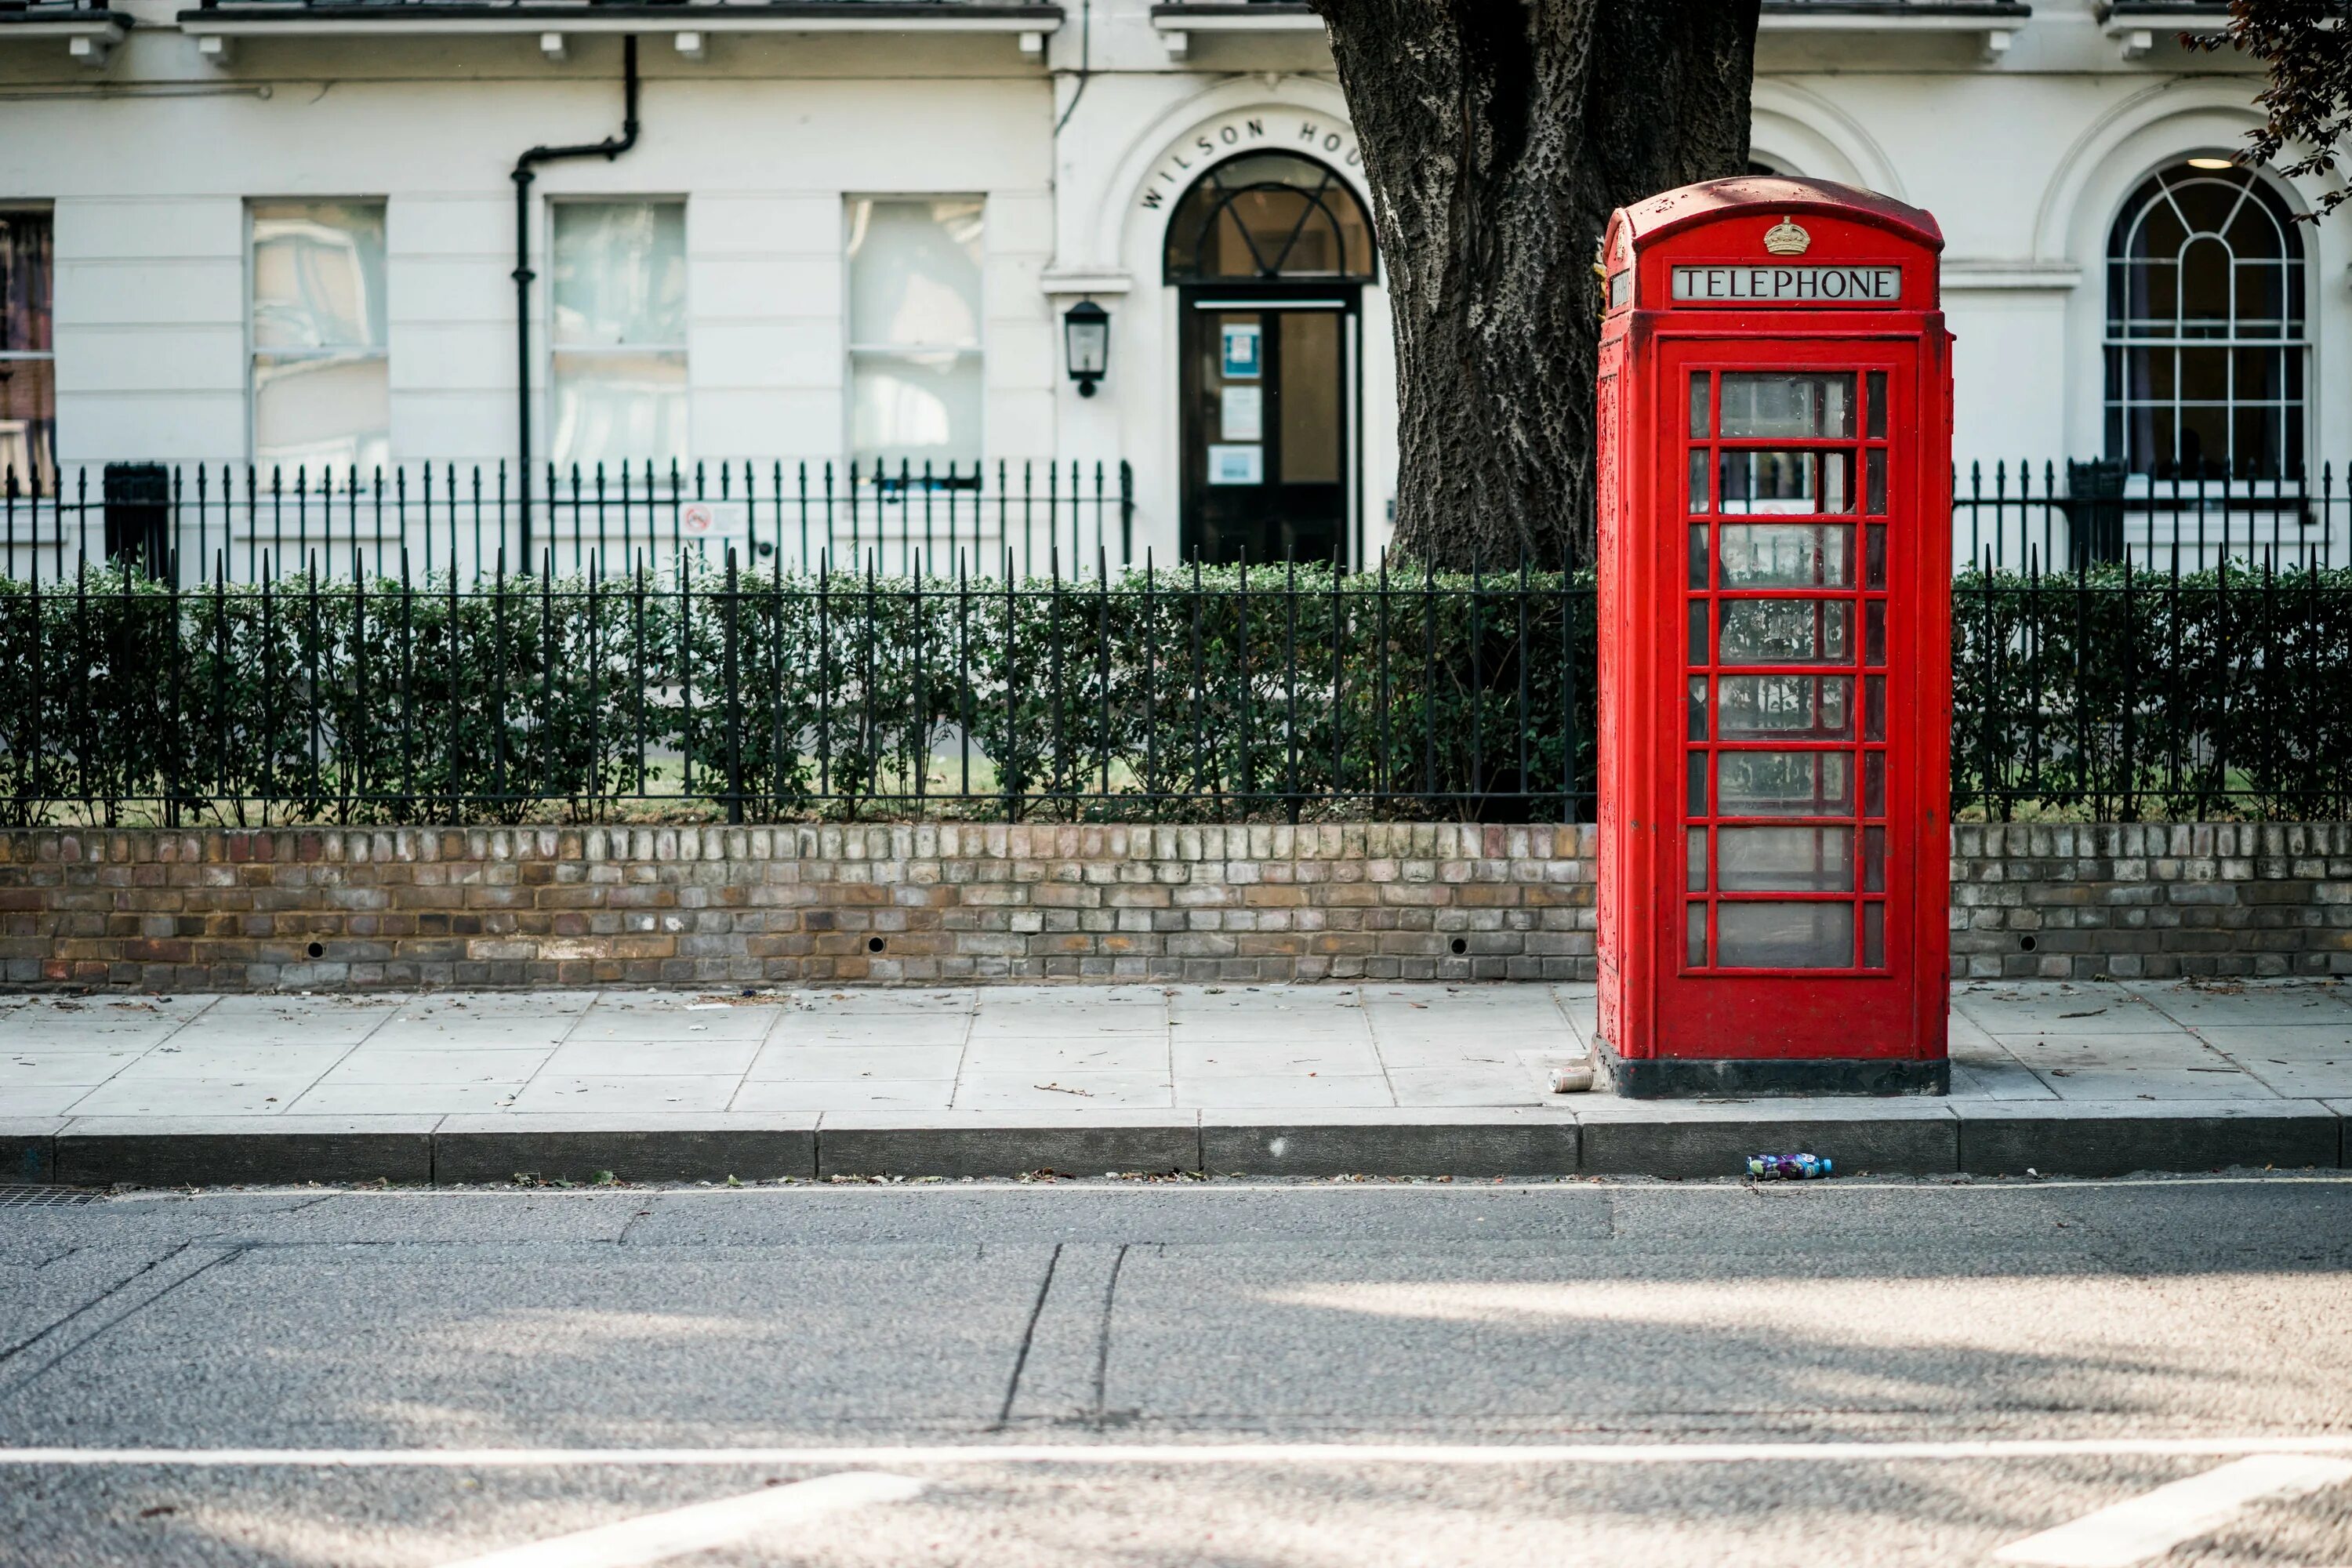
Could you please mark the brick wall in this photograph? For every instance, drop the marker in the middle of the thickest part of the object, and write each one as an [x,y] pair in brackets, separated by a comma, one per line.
[2152,900]
[315,910]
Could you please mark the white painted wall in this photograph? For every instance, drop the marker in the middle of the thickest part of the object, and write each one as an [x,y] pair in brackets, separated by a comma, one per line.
[150,196]
[2023,159]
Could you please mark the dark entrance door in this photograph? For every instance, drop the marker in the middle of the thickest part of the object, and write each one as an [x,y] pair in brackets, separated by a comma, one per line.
[1268,393]
[1269,253]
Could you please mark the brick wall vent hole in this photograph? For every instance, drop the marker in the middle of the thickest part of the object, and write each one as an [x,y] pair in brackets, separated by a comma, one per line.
[1459,946]
[317,950]
[2026,943]
[874,945]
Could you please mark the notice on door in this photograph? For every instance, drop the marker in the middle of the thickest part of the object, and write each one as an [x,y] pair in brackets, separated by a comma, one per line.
[1240,351]
[1236,465]
[1241,414]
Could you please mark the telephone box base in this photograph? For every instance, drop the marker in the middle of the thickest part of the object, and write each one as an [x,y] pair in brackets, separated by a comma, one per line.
[1692,1078]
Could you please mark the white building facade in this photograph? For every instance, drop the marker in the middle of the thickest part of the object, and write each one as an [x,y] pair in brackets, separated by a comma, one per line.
[272,237]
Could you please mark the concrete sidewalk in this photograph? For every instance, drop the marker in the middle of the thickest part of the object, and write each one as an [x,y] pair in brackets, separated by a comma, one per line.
[1287,1080]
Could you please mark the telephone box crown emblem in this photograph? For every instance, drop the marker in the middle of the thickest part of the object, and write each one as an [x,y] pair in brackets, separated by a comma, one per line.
[1785,239]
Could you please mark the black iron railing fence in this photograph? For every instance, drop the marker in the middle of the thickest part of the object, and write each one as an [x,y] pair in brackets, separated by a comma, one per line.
[2114,693]
[243,521]
[2009,516]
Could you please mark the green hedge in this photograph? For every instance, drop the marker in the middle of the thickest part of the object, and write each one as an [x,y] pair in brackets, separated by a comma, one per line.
[2119,694]
[1175,696]
[1170,697]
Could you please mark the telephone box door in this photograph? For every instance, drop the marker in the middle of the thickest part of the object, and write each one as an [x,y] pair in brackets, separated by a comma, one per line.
[1792,678]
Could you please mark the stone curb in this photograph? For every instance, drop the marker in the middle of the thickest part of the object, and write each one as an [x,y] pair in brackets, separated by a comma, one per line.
[1600,1137]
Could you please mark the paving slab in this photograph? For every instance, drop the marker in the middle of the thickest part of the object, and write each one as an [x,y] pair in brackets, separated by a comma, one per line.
[2090,1138]
[2220,1080]
[878,1028]
[847,1094]
[1193,1057]
[247,1095]
[627,1095]
[2095,1008]
[1422,1079]
[50,1100]
[1296,1092]
[636,1022]
[2000,1079]
[2268,1002]
[1049,1088]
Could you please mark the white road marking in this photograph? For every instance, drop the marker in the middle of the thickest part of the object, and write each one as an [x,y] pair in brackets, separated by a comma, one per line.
[2155,1522]
[658,1537]
[1468,1455]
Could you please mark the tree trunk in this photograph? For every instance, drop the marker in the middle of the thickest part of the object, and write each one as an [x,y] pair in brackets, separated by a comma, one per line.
[1498,135]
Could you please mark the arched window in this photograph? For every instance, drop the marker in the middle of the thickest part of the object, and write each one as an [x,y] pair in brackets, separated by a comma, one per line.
[1268,216]
[2205,327]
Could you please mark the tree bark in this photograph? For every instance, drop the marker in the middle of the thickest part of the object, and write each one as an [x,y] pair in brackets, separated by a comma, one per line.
[1497,136]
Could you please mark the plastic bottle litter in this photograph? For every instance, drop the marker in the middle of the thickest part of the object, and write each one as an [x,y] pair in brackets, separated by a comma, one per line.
[1786,1167]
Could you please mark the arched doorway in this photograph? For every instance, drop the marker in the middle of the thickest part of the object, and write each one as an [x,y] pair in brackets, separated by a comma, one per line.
[1269,254]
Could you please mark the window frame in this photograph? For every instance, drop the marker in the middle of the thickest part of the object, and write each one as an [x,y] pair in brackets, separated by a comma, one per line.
[48,356]
[851,349]
[2127,340]
[253,350]
[550,348]
[1220,210]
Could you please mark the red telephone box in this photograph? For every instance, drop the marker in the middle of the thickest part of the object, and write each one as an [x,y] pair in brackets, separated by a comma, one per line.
[1775,525]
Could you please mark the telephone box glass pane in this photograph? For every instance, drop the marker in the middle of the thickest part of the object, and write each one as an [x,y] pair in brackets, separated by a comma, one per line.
[1698,631]
[1694,859]
[1698,405]
[1794,484]
[1877,415]
[1698,708]
[1873,708]
[1787,403]
[1698,482]
[1873,936]
[1873,860]
[1697,794]
[1785,859]
[1784,783]
[1785,935]
[1786,631]
[1873,623]
[1788,555]
[1783,708]
[1695,935]
[1873,558]
[1873,783]
[1699,556]
[1873,466]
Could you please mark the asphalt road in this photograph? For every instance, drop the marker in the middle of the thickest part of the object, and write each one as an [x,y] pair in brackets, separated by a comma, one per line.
[1581,1373]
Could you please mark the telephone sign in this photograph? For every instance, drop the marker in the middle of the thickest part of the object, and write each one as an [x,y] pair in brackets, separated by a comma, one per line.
[1775,523]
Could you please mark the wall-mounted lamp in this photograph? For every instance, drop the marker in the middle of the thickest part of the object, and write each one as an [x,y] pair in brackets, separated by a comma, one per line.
[1086,342]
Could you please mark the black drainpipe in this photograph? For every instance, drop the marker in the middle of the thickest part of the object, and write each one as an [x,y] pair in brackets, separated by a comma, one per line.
[608,149]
